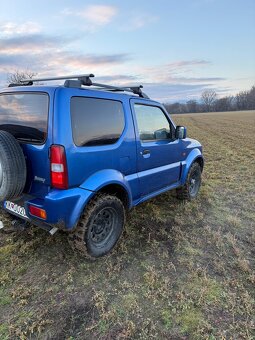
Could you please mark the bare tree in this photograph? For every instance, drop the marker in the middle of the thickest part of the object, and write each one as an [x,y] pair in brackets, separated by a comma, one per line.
[192,106]
[208,99]
[176,108]
[251,98]
[224,104]
[242,100]
[17,76]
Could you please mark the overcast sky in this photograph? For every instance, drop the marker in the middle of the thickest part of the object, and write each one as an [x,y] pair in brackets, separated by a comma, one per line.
[175,48]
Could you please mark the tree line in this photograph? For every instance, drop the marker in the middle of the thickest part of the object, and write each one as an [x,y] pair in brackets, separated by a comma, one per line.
[209,102]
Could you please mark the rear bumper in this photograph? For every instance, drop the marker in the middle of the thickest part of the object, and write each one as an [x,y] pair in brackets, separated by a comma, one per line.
[63,207]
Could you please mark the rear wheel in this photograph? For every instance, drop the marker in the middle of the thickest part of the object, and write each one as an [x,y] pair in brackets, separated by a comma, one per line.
[100,227]
[192,185]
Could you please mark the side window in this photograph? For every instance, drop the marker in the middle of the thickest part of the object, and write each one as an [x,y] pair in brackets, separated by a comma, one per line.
[152,123]
[96,121]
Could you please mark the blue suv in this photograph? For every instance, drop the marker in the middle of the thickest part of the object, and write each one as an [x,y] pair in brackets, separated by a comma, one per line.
[77,157]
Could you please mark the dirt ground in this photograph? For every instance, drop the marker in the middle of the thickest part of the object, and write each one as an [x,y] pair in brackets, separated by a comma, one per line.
[182,270]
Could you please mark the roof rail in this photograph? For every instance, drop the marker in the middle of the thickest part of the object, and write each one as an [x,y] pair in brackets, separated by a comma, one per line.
[133,89]
[82,77]
[80,80]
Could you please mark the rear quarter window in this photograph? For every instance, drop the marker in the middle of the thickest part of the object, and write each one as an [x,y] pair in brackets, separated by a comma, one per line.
[25,115]
[96,121]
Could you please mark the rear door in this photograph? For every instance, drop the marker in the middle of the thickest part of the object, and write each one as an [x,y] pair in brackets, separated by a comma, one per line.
[158,153]
[25,114]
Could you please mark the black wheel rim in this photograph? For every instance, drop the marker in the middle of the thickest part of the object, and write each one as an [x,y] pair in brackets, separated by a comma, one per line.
[102,226]
[194,182]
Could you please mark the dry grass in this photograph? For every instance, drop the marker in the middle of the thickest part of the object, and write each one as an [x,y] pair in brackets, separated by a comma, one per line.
[182,271]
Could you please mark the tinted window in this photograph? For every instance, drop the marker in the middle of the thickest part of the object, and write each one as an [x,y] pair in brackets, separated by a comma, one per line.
[25,115]
[152,123]
[96,121]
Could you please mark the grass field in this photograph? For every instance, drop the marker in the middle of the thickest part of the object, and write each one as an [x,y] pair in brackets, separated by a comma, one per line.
[182,270]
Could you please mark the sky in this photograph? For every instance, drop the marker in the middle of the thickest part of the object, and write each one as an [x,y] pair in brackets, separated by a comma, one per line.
[176,49]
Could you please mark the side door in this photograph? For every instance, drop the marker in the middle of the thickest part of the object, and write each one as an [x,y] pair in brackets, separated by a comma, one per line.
[158,152]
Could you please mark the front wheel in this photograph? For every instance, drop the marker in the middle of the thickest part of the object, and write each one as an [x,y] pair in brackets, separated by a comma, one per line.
[100,227]
[192,185]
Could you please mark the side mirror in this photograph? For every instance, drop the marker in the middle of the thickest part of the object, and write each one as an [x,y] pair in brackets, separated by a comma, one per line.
[180,132]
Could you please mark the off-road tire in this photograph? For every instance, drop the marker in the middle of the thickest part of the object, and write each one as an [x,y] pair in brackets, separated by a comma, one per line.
[81,238]
[12,167]
[185,192]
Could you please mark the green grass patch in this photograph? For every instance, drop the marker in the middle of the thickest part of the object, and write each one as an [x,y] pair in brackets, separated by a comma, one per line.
[4,331]
[191,320]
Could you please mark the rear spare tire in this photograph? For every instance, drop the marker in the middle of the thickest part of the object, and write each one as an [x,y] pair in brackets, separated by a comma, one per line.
[12,167]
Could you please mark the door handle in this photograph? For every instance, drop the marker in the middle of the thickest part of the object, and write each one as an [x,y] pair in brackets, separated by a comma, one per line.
[145,152]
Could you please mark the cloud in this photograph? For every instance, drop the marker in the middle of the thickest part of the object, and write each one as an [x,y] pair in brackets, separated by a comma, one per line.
[174,92]
[54,55]
[184,63]
[99,14]
[66,61]
[30,43]
[51,55]
[139,21]
[95,16]
[194,80]
[117,79]
[163,82]
[176,72]
[60,61]
[177,80]
[11,28]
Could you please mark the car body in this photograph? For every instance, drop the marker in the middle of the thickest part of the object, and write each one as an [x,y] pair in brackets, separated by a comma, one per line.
[135,166]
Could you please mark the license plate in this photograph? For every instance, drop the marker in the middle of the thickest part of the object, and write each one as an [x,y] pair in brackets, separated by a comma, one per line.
[17,209]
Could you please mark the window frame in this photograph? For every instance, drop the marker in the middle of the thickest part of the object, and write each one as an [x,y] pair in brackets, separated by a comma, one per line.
[171,125]
[101,145]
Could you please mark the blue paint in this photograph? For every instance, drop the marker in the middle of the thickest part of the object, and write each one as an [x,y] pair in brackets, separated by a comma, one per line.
[141,169]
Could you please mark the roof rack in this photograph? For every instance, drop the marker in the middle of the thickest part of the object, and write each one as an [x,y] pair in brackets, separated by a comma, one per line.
[78,81]
[28,83]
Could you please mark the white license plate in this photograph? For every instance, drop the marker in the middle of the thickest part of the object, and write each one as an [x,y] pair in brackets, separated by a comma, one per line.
[17,209]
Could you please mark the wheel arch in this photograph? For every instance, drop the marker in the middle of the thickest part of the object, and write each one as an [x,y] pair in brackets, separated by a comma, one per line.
[112,182]
[200,161]
[194,156]
[116,190]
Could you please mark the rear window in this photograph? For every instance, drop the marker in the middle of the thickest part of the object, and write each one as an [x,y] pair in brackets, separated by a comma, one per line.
[96,121]
[25,115]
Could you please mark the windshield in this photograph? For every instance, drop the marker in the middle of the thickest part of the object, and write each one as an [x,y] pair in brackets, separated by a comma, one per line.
[25,115]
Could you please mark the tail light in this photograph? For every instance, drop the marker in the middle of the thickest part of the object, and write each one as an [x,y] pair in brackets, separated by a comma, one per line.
[58,167]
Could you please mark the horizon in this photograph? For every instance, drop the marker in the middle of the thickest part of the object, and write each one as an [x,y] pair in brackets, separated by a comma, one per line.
[127,44]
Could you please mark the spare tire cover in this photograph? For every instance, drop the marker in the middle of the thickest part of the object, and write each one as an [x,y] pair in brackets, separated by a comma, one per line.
[12,167]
